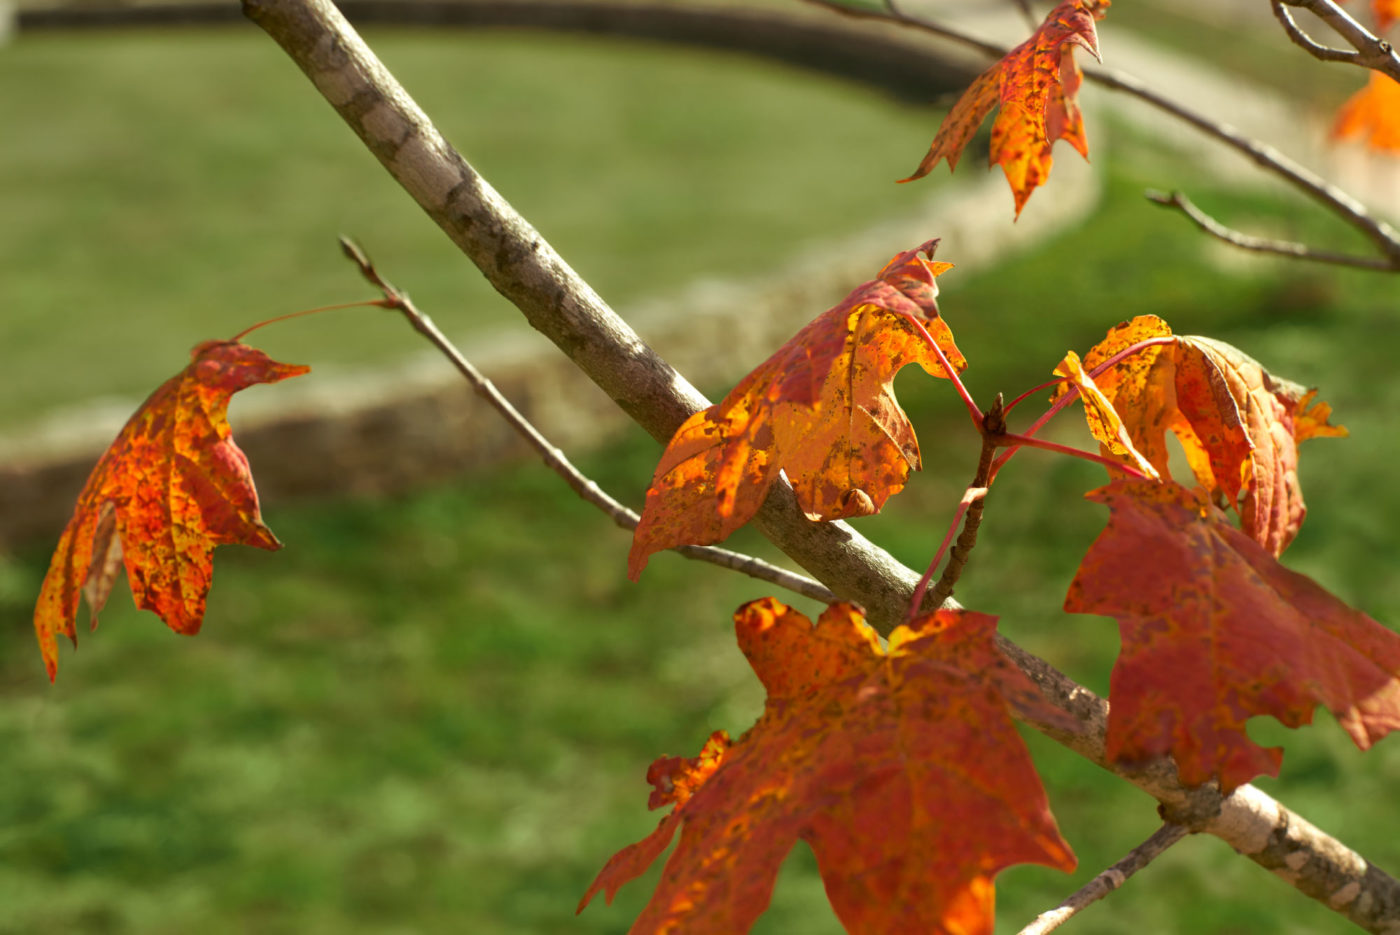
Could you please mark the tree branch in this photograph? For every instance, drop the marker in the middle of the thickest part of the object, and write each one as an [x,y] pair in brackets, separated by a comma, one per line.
[1287,248]
[553,457]
[1107,881]
[1346,207]
[1371,50]
[1305,42]
[527,270]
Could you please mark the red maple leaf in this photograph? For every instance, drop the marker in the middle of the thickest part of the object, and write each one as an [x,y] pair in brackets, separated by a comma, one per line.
[899,766]
[171,487]
[1372,113]
[822,408]
[1215,631]
[1036,85]
[1238,424]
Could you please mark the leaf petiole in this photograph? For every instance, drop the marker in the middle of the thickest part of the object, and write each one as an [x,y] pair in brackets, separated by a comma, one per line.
[1071,394]
[364,303]
[1014,441]
[973,409]
[970,496]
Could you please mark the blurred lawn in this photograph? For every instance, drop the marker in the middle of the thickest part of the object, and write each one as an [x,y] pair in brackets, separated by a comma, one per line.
[163,188]
[434,713]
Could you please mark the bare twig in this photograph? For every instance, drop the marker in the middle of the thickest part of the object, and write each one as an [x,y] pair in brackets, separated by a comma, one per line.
[1305,42]
[1107,881]
[527,270]
[1371,50]
[1287,248]
[555,459]
[1346,207]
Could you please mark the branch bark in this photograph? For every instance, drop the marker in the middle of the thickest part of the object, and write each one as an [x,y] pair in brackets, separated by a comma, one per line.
[1371,50]
[1107,881]
[524,268]
[553,457]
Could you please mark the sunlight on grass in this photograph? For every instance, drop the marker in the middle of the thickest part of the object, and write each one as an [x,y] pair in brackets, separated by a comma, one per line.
[204,188]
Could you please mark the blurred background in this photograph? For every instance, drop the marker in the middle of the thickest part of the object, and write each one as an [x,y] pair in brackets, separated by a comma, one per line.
[433,711]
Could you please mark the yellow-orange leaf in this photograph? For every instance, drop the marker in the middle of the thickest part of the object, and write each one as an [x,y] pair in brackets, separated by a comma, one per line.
[1373,113]
[1215,631]
[1386,13]
[1036,86]
[1238,424]
[171,487]
[822,408]
[1104,422]
[899,766]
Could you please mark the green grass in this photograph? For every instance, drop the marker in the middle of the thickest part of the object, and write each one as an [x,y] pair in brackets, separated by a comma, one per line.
[203,188]
[433,713]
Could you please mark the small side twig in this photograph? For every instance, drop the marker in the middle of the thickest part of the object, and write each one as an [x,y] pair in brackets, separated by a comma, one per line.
[1307,43]
[1107,881]
[1371,50]
[554,458]
[1287,248]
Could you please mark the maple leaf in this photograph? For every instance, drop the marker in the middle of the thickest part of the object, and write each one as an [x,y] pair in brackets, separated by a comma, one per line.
[1104,421]
[1372,113]
[1386,13]
[171,487]
[1238,424]
[1036,85]
[1215,631]
[822,408]
[899,766]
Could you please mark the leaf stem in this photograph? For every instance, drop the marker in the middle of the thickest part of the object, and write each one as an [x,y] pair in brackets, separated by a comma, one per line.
[958,384]
[367,303]
[554,458]
[1013,441]
[1032,391]
[970,495]
[1072,392]
[969,513]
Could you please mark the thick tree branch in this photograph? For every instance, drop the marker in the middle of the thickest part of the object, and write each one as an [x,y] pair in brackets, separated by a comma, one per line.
[553,457]
[1371,50]
[1385,238]
[527,270]
[1107,881]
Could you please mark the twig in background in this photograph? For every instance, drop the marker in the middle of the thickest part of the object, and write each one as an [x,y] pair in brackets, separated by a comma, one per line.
[1371,50]
[554,458]
[1346,207]
[1287,248]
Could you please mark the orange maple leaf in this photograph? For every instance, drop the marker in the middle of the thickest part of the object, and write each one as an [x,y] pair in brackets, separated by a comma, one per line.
[1215,631]
[171,487]
[1036,85]
[899,766]
[822,408]
[1386,13]
[1372,113]
[1238,424]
